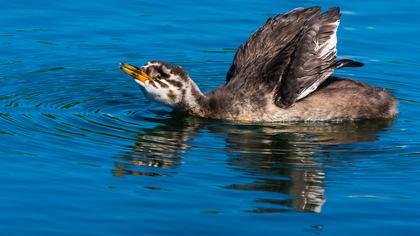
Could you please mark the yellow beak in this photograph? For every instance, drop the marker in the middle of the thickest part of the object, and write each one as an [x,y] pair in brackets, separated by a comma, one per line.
[135,72]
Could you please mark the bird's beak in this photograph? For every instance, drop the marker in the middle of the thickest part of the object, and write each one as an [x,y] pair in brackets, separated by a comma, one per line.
[135,72]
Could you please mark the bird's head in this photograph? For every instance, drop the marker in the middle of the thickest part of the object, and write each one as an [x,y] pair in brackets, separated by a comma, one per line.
[166,84]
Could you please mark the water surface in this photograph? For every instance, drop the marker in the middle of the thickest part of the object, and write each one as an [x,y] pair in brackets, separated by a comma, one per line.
[84,153]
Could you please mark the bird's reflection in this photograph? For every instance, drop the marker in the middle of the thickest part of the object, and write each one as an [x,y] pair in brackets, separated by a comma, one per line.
[159,147]
[279,158]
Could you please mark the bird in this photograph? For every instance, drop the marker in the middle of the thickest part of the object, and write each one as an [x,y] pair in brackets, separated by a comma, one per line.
[282,73]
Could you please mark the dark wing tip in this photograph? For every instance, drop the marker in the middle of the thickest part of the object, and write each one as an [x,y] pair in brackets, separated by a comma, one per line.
[299,11]
[356,64]
[333,14]
[347,63]
[334,10]
[312,9]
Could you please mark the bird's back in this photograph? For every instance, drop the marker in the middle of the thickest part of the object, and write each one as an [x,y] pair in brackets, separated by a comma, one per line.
[342,99]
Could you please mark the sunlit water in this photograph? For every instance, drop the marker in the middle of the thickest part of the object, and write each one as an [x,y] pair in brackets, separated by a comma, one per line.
[83,152]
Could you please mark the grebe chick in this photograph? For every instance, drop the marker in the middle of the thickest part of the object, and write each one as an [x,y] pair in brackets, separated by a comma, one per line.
[282,73]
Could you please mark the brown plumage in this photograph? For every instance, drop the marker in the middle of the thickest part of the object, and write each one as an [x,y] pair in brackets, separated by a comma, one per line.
[282,73]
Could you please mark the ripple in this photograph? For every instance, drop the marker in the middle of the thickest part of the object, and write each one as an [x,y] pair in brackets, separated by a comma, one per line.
[48,69]
[46,42]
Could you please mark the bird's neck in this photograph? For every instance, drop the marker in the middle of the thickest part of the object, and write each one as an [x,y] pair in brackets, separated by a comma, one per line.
[195,102]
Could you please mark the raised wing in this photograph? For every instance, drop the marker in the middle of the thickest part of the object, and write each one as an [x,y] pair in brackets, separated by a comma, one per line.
[313,61]
[262,56]
[292,54]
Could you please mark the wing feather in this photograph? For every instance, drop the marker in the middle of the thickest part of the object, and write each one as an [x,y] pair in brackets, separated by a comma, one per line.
[291,54]
[256,59]
[313,60]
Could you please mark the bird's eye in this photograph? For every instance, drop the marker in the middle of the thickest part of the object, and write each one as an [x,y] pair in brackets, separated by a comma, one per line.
[158,77]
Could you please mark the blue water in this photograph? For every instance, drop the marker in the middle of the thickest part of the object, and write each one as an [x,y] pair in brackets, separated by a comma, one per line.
[82,152]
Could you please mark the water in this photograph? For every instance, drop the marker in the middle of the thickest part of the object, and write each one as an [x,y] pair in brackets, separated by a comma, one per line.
[84,153]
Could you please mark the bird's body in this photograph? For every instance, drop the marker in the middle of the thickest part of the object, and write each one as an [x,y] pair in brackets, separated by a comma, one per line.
[337,99]
[282,73]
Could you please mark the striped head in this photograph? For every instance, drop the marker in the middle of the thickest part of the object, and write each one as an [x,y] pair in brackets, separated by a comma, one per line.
[166,84]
